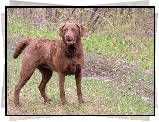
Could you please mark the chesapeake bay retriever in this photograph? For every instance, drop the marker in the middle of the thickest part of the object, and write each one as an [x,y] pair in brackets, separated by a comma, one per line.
[64,56]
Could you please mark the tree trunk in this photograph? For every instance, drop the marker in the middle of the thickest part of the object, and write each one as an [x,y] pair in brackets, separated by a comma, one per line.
[93,13]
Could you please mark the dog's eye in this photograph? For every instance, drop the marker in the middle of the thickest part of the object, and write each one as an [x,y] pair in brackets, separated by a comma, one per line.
[65,29]
[73,29]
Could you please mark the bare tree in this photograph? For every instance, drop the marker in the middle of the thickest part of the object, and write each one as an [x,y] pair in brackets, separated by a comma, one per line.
[71,13]
[93,13]
[49,13]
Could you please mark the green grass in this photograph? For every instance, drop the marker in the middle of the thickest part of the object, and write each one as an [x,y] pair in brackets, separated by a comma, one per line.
[101,97]
[22,28]
[131,49]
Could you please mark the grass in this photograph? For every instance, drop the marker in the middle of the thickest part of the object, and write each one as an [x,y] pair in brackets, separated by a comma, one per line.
[130,94]
[21,27]
[131,50]
[101,97]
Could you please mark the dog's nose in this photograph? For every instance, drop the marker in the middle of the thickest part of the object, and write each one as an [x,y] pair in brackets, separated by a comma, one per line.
[67,35]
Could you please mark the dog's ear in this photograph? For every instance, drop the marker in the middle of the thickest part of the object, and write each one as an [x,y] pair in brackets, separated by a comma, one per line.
[81,29]
[61,31]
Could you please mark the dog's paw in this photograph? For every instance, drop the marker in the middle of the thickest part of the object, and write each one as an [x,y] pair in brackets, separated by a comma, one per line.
[63,102]
[82,101]
[17,104]
[48,101]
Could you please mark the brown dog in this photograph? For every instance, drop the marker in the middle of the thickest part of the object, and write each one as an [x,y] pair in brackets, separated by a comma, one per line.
[66,57]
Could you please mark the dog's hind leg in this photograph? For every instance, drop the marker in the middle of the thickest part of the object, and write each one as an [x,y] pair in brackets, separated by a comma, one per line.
[46,75]
[26,72]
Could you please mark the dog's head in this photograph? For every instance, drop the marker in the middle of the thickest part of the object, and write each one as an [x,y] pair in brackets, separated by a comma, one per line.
[71,33]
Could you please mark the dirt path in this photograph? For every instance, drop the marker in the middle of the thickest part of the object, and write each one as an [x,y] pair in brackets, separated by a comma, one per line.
[100,68]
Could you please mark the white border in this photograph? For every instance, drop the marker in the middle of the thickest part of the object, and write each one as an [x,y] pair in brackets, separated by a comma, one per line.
[82,2]
[73,2]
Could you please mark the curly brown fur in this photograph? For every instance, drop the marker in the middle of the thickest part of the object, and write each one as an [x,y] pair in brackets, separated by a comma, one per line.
[64,56]
[20,47]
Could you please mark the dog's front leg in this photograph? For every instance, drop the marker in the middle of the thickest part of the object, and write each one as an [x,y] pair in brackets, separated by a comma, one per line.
[78,77]
[61,77]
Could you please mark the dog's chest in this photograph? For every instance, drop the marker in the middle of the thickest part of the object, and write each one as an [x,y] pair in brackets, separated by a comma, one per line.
[71,67]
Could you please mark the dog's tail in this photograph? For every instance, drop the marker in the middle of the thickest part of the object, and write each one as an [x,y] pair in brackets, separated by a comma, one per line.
[20,47]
